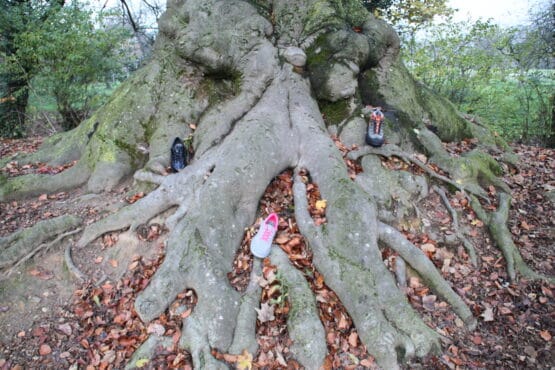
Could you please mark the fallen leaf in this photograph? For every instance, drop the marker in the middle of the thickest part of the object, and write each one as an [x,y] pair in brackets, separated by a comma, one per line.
[65,328]
[265,313]
[477,223]
[428,248]
[280,359]
[45,350]
[367,362]
[155,328]
[545,335]
[487,314]
[414,282]
[244,361]
[421,157]
[282,239]
[142,362]
[321,204]
[505,311]
[343,323]
[353,338]
[428,301]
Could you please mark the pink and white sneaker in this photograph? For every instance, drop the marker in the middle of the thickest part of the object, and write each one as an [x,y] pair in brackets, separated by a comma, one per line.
[262,241]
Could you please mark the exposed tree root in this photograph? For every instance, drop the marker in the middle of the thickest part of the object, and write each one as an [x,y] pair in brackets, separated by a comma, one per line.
[384,323]
[22,245]
[71,266]
[34,184]
[422,264]
[392,150]
[246,319]
[401,272]
[303,323]
[497,225]
[458,232]
[45,247]
[267,123]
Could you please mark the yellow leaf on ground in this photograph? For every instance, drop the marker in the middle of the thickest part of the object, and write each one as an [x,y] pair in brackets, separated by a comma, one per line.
[321,204]
[244,361]
[142,362]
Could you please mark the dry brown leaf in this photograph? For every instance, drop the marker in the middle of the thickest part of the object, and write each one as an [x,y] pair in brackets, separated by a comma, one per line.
[265,313]
[429,301]
[353,339]
[428,248]
[343,323]
[487,314]
[545,335]
[282,239]
[45,350]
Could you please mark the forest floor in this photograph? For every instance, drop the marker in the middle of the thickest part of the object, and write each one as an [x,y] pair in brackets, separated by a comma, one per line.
[48,320]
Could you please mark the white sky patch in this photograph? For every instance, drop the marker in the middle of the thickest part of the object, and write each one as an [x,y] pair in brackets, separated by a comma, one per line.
[503,12]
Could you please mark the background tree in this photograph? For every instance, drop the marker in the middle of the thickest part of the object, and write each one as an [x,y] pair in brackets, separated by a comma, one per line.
[504,76]
[68,55]
[248,83]
[17,16]
[141,17]
[409,16]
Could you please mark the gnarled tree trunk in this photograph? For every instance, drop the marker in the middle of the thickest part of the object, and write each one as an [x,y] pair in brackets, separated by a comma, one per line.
[265,83]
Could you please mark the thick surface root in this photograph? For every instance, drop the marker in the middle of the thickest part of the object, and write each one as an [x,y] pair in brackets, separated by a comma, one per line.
[380,312]
[346,252]
[25,243]
[497,224]
[303,323]
[34,184]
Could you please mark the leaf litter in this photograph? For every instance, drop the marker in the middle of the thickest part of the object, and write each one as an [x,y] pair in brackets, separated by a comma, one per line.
[100,329]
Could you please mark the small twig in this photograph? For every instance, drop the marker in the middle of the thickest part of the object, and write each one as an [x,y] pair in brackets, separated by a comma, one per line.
[45,246]
[458,233]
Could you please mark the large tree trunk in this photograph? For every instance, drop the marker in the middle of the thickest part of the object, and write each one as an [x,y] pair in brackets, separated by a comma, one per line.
[256,79]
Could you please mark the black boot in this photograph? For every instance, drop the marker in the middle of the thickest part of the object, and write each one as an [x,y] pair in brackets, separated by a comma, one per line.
[178,160]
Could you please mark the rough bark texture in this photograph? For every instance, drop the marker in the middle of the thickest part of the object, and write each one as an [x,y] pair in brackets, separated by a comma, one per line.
[235,70]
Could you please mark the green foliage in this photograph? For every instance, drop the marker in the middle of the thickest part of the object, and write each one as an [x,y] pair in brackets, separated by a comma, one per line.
[408,16]
[67,55]
[491,72]
[16,16]
[374,5]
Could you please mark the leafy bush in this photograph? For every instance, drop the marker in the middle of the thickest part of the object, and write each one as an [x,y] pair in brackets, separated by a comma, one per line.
[491,72]
[67,54]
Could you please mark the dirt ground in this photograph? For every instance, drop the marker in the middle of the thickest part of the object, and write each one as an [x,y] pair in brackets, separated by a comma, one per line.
[48,319]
